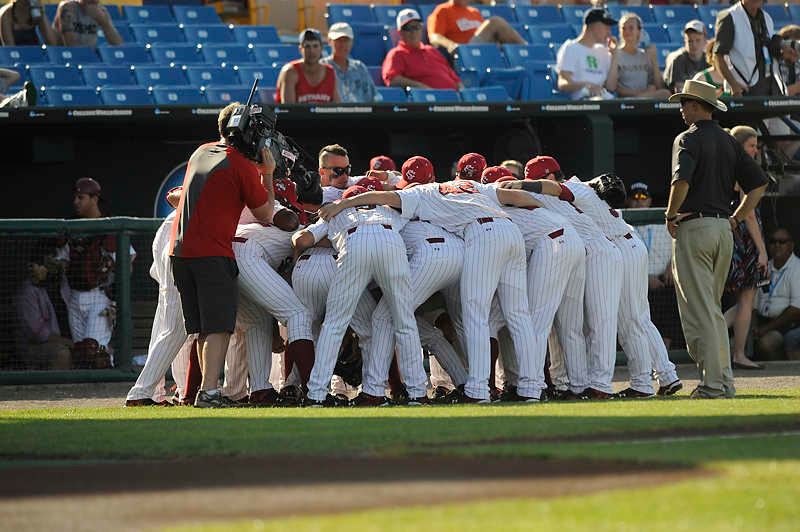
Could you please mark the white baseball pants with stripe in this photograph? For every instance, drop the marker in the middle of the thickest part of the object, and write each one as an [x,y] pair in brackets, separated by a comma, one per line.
[85,319]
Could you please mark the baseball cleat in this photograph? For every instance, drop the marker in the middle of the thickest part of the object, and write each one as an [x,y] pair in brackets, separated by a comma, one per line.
[671,388]
[329,402]
[440,392]
[630,393]
[365,399]
[265,398]
[449,398]
[217,400]
[146,402]
[592,394]
[419,401]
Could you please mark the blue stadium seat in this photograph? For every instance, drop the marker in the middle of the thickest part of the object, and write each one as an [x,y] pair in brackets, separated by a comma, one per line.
[75,55]
[127,54]
[556,34]
[124,30]
[658,33]
[178,53]
[266,95]
[780,16]
[231,54]
[663,51]
[390,95]
[275,54]
[71,96]
[644,12]
[153,33]
[202,75]
[387,14]
[155,76]
[50,75]
[375,72]
[574,14]
[539,15]
[493,93]
[521,54]
[794,11]
[50,10]
[368,45]
[126,95]
[226,95]
[22,55]
[349,13]
[148,14]
[503,11]
[487,61]
[178,96]
[541,88]
[208,33]
[114,11]
[708,14]
[256,34]
[267,75]
[102,75]
[424,11]
[674,14]
[470,78]
[196,14]
[432,95]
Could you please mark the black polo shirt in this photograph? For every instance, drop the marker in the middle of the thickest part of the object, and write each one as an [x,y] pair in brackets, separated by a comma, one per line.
[712,162]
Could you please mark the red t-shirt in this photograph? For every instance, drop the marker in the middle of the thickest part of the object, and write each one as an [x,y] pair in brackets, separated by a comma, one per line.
[219,182]
[305,92]
[425,64]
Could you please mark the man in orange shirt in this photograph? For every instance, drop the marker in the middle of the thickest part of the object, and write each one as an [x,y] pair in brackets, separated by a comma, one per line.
[454,22]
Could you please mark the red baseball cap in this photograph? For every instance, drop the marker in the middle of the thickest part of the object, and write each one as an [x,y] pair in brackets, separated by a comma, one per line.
[87,185]
[370,183]
[539,167]
[470,166]
[382,162]
[491,174]
[355,190]
[417,169]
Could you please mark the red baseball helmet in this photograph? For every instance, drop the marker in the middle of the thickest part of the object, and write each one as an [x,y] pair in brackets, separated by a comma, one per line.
[417,169]
[539,167]
[355,190]
[493,173]
[470,166]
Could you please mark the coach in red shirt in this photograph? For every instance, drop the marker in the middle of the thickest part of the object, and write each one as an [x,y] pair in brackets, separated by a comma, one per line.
[414,64]
[219,182]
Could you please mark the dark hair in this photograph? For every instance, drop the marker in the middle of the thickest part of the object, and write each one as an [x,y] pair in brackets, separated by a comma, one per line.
[706,106]
[782,229]
[558,175]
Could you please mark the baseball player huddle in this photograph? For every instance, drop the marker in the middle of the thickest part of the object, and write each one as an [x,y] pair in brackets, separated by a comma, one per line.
[486,274]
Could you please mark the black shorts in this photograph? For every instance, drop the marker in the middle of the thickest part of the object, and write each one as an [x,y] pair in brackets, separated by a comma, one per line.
[209,293]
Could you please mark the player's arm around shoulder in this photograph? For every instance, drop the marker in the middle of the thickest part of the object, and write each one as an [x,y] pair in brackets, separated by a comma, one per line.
[517,198]
[540,186]
[389,198]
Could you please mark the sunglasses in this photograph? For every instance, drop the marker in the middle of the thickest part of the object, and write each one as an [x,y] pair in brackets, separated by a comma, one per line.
[339,170]
[779,241]
[412,26]
[640,195]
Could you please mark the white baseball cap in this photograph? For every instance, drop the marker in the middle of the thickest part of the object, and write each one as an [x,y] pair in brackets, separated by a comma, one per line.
[405,16]
[695,25]
[340,29]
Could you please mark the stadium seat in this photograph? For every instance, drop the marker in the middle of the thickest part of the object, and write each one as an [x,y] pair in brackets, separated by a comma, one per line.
[113,10]
[148,14]
[206,75]
[375,72]
[658,33]
[178,96]
[486,60]
[503,11]
[266,95]
[275,54]
[126,95]
[780,16]
[76,55]
[432,95]
[539,15]
[231,54]
[424,11]
[368,45]
[675,33]
[390,95]
[50,75]
[387,14]
[663,51]
[470,79]
[541,88]
[50,10]
[226,95]
[644,12]
[521,54]
[267,75]
[196,14]
[574,14]
[208,33]
[674,14]
[101,75]
[256,35]
[71,96]
[493,93]
[178,53]
[794,12]
[127,54]
[160,76]
[157,33]
[349,13]
[556,34]
[708,14]
[124,30]
[22,55]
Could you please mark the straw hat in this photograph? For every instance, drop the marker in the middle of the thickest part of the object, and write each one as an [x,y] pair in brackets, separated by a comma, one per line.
[699,90]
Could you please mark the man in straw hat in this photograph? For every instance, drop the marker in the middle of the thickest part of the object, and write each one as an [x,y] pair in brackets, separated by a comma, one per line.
[706,164]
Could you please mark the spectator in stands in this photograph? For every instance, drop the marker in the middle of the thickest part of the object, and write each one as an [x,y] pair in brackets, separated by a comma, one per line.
[455,22]
[790,70]
[39,341]
[684,63]
[352,77]
[307,80]
[26,97]
[744,34]
[19,20]
[587,66]
[711,75]
[77,23]
[778,305]
[414,64]
[638,76]
[516,168]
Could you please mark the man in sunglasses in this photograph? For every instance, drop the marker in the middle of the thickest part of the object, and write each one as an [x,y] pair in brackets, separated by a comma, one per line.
[335,173]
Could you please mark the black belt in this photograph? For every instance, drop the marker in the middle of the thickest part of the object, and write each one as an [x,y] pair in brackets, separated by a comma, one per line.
[436,240]
[696,215]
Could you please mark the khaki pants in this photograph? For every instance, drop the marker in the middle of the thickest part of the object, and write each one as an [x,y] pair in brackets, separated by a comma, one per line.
[701,257]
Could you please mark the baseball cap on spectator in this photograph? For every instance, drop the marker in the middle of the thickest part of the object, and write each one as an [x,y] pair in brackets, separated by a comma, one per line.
[470,166]
[417,169]
[694,25]
[309,34]
[340,29]
[640,188]
[539,167]
[355,190]
[382,162]
[87,185]
[405,16]
[370,183]
[494,173]
[598,14]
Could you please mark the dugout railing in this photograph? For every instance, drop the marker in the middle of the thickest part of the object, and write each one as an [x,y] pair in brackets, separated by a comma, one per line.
[136,294]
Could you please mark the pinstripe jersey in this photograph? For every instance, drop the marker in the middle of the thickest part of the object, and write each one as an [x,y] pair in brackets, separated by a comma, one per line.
[452,205]
[606,219]
[331,194]
[536,223]
[336,229]
[416,231]
[265,241]
[563,205]
[160,270]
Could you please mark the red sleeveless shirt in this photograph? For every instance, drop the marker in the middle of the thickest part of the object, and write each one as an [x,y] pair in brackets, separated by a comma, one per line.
[305,92]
